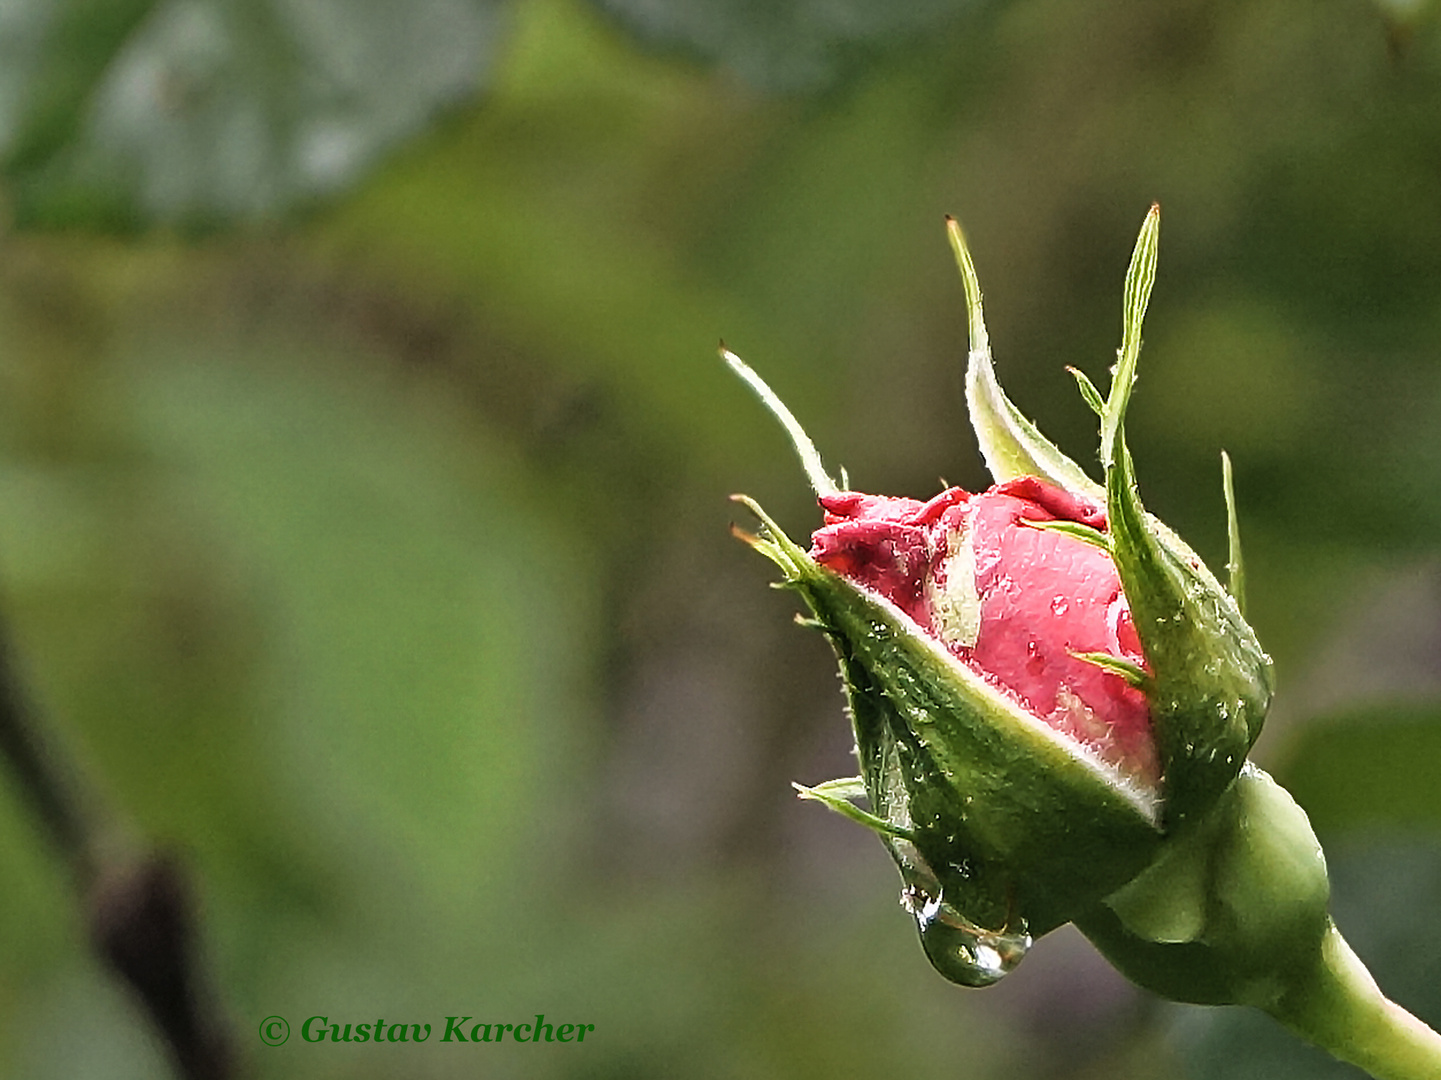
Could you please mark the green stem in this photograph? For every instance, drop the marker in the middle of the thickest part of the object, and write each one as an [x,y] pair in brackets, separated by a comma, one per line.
[1341,1009]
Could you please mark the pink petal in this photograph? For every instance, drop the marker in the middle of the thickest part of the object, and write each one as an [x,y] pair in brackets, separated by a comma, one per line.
[1043,596]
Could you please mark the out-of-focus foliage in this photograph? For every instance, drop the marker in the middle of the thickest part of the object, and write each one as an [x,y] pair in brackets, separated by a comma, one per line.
[1371,766]
[378,561]
[785,45]
[198,111]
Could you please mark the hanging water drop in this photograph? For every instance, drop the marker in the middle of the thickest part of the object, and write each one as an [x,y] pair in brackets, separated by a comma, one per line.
[957,948]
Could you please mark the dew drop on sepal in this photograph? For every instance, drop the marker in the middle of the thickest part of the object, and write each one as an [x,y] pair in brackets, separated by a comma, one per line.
[959,949]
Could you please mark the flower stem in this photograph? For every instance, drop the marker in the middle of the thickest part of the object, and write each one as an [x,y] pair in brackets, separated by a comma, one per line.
[1339,1007]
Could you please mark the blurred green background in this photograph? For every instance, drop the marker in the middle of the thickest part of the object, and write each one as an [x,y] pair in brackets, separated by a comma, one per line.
[364,459]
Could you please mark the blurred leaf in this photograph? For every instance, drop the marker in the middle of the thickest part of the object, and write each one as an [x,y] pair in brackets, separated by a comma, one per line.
[1376,766]
[1405,14]
[420,623]
[786,45]
[201,111]
[309,629]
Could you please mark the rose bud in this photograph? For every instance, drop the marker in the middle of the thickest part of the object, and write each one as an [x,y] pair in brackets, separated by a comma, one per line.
[1046,685]
[1052,701]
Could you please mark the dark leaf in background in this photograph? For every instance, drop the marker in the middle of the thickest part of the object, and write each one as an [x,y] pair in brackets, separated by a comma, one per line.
[202,112]
[786,45]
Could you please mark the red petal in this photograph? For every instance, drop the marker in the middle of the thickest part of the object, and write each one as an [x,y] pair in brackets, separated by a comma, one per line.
[1043,597]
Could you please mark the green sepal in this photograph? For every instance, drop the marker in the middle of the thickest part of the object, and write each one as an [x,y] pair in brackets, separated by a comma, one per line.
[815,470]
[836,795]
[1011,445]
[1235,566]
[1074,529]
[1089,393]
[848,788]
[1232,913]
[1212,681]
[1134,674]
[1017,824]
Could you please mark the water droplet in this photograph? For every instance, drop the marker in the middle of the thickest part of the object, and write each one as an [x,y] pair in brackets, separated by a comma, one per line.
[1059,605]
[1035,662]
[959,949]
